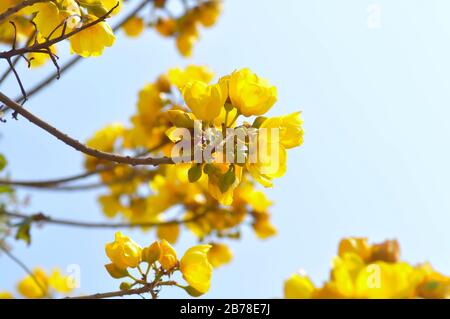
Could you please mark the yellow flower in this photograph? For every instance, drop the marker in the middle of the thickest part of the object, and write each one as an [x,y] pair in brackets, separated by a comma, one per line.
[35,286]
[250,94]
[271,163]
[433,284]
[134,27]
[93,40]
[186,40]
[290,129]
[47,18]
[385,280]
[168,232]
[101,7]
[263,227]
[60,282]
[205,101]
[39,59]
[168,258]
[180,77]
[298,286]
[6,295]
[124,252]
[210,12]
[355,245]
[196,269]
[219,254]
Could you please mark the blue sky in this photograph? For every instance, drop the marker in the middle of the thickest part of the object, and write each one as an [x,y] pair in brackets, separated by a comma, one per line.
[374,163]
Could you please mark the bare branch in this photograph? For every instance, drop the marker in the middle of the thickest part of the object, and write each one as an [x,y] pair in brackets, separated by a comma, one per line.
[80,146]
[63,222]
[57,181]
[68,65]
[47,44]
[121,293]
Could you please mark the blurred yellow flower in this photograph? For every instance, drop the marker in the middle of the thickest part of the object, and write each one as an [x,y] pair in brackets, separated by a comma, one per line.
[134,27]
[5,294]
[219,254]
[35,286]
[180,77]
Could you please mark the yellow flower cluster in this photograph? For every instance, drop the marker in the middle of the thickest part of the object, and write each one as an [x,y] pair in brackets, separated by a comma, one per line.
[42,285]
[212,206]
[52,18]
[362,270]
[160,257]
[185,28]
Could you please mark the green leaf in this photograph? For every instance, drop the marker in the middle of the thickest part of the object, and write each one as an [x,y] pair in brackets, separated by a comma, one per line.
[5,189]
[3,162]
[23,232]
[194,173]
[226,180]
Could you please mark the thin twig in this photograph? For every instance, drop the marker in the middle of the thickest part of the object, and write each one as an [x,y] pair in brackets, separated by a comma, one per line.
[47,44]
[63,222]
[80,146]
[121,293]
[22,265]
[55,182]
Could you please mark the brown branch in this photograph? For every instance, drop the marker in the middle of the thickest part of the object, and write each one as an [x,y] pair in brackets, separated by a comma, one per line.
[68,65]
[149,288]
[63,222]
[20,6]
[54,185]
[47,44]
[55,182]
[80,146]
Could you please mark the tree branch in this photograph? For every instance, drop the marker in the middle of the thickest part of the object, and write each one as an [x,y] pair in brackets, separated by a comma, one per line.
[55,182]
[68,65]
[63,222]
[121,293]
[38,47]
[80,146]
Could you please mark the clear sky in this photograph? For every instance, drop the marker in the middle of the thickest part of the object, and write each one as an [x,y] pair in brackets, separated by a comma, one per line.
[375,96]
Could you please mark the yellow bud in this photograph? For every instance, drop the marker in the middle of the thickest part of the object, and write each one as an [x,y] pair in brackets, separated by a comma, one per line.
[168,257]
[151,253]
